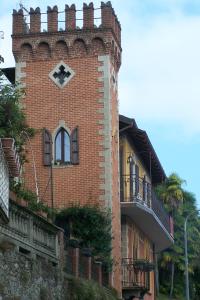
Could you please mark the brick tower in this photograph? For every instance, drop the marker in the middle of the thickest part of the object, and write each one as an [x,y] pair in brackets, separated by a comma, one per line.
[70,79]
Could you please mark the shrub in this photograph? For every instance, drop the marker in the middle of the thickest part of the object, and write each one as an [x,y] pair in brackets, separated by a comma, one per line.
[91,226]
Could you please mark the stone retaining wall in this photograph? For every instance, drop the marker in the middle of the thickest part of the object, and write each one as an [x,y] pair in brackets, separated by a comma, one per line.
[23,277]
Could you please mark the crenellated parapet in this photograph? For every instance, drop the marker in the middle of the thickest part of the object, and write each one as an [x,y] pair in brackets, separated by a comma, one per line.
[18,21]
[52,19]
[31,43]
[35,20]
[110,20]
[88,15]
[70,17]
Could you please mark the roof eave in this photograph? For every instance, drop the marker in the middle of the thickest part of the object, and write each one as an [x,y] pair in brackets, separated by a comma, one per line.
[139,137]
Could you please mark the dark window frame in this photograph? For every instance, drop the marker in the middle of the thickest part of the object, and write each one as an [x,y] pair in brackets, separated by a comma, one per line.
[62,161]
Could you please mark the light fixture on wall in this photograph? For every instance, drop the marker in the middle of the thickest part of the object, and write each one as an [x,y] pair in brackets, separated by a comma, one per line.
[130,158]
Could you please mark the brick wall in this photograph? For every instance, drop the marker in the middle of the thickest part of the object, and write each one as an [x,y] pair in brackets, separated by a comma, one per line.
[76,104]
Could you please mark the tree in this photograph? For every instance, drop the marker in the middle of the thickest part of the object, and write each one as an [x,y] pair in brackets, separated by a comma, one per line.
[171,194]
[175,255]
[12,118]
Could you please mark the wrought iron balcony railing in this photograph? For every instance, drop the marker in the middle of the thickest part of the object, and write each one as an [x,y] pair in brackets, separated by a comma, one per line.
[136,274]
[138,190]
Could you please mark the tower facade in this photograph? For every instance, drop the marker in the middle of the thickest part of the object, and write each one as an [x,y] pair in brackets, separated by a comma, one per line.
[70,80]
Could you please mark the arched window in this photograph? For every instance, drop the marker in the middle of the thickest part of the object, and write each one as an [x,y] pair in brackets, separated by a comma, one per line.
[62,146]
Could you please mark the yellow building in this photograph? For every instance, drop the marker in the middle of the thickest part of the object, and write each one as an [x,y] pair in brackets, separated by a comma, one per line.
[146,228]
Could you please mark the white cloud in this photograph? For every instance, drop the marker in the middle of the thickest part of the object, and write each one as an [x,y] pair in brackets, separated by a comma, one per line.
[6,43]
[160,79]
[160,74]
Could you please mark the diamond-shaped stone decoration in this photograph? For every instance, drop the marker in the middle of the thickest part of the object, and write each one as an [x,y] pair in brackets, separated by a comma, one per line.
[61,74]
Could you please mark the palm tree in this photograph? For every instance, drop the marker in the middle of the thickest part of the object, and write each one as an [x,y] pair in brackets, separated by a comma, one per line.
[171,193]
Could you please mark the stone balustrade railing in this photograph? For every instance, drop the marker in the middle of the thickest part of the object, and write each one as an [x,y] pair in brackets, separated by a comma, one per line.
[31,233]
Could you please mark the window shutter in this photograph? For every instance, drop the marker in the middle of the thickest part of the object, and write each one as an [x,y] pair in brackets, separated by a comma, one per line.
[131,179]
[122,178]
[136,180]
[47,148]
[149,194]
[144,188]
[74,147]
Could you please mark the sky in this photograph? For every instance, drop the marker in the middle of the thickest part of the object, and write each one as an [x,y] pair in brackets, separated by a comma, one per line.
[159,80]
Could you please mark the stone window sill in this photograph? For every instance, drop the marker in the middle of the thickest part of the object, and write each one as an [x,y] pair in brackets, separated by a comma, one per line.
[62,166]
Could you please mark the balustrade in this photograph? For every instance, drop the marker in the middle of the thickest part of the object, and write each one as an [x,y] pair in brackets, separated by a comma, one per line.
[31,232]
[135,274]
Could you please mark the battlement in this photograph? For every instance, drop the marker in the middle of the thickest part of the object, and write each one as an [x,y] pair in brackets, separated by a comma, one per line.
[107,20]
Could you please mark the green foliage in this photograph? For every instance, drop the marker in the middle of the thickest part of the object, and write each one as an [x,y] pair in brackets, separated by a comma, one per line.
[92,226]
[80,289]
[12,118]
[31,199]
[196,282]
[163,297]
[2,287]
[181,203]
[44,293]
[171,192]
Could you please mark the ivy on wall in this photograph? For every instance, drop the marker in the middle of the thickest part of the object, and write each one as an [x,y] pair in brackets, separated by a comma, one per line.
[91,225]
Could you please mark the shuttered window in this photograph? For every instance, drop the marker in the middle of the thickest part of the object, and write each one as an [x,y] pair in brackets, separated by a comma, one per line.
[144,189]
[137,183]
[66,147]
[122,178]
[149,194]
[47,147]
[131,179]
[74,147]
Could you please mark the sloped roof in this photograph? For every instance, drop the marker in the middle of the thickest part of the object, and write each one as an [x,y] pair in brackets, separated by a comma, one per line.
[10,74]
[143,147]
[11,156]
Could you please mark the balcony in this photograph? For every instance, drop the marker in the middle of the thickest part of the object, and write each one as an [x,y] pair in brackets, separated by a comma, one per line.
[139,202]
[135,277]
